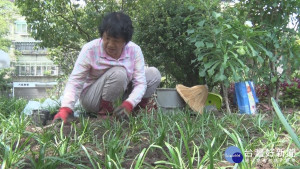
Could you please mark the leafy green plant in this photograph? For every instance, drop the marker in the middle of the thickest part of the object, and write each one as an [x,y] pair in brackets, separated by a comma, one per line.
[224,44]
[238,142]
[135,129]
[139,159]
[285,123]
[280,43]
[62,142]
[13,151]
[84,132]
[174,157]
[114,149]
[185,141]
[11,106]
[91,159]
[40,159]
[5,81]
[290,93]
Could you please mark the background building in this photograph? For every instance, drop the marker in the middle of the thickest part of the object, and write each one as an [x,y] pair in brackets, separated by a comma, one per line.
[34,73]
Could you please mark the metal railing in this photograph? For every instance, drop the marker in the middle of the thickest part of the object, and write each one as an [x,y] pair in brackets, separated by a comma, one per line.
[29,47]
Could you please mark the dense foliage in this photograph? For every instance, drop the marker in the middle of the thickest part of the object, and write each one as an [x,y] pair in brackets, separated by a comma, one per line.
[245,41]
[290,93]
[196,40]
[282,51]
[161,31]
[5,81]
[7,13]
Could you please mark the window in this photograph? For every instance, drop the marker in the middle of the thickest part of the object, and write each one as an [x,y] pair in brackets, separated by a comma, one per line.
[21,28]
[22,70]
[32,71]
[36,68]
[27,70]
[54,70]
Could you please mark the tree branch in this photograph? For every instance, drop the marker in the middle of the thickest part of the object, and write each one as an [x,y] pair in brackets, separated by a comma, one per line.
[76,23]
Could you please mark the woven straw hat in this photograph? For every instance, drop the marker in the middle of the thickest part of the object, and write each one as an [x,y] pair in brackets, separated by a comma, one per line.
[194,96]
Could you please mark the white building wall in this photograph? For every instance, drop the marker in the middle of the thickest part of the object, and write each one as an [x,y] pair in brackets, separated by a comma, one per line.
[31,66]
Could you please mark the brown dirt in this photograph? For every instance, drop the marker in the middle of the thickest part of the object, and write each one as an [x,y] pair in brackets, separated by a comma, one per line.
[264,164]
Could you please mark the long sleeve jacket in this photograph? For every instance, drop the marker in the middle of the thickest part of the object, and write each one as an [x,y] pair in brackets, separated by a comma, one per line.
[93,62]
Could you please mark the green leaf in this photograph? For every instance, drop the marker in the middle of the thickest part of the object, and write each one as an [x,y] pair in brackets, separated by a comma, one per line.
[235,36]
[201,23]
[241,50]
[241,63]
[191,8]
[260,59]
[209,45]
[235,75]
[230,42]
[234,54]
[185,141]
[275,4]
[202,73]
[216,15]
[199,44]
[225,59]
[254,52]
[200,57]
[209,64]
[268,53]
[211,71]
[140,159]
[216,31]
[285,123]
[190,31]
[228,26]
[220,77]
[274,79]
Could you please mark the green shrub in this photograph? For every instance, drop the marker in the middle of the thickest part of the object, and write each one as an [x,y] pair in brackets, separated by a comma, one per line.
[161,32]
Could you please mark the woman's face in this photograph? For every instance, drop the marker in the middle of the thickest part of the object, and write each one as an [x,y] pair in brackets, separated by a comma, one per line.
[113,46]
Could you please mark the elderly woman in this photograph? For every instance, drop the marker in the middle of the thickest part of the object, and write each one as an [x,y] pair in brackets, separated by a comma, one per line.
[110,68]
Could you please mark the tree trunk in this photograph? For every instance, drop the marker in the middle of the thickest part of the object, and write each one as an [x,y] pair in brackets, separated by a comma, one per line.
[225,94]
[277,90]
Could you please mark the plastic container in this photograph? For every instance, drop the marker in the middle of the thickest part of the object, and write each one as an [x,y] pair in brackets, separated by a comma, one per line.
[40,117]
[169,99]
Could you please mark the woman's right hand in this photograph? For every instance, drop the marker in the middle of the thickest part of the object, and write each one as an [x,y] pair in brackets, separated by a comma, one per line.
[63,114]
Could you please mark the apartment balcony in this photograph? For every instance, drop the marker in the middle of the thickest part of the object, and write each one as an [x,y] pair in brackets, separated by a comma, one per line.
[30,48]
[34,71]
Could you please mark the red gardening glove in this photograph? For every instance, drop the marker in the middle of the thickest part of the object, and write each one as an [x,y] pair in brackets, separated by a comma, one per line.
[63,114]
[123,111]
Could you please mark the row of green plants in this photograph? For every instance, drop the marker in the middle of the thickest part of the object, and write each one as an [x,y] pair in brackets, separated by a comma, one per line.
[150,140]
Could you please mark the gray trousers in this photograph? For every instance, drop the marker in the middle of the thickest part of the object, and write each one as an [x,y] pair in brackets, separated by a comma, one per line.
[114,85]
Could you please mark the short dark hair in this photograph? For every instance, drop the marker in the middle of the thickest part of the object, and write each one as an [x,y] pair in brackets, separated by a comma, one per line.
[117,24]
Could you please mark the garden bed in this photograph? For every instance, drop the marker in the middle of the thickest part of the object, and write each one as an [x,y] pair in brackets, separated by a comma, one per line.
[150,140]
